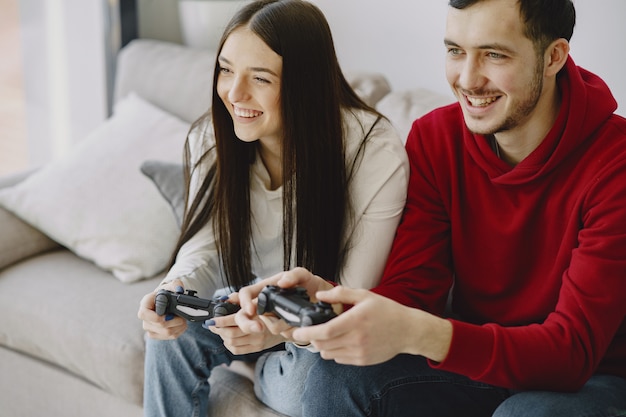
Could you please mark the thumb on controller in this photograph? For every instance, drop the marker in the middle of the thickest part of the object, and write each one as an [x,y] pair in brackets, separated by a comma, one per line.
[342,295]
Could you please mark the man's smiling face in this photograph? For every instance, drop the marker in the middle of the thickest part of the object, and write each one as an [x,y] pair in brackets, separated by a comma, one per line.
[492,67]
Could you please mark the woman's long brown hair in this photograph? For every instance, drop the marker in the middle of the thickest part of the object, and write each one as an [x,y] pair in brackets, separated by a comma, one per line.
[316,199]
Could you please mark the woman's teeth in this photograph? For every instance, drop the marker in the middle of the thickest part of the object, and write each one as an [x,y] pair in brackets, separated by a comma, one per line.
[246,112]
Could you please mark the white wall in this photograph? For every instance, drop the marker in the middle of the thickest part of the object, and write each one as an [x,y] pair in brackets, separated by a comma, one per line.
[598,42]
[400,38]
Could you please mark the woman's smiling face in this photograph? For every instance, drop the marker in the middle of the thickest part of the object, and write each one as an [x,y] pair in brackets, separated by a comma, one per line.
[249,83]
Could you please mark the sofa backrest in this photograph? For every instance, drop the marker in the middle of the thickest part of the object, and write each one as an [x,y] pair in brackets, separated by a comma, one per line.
[174,77]
[179,79]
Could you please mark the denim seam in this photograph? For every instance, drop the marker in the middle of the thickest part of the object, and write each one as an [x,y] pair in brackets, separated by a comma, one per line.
[195,396]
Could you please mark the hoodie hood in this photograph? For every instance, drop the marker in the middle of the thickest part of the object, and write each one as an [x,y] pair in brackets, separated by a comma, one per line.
[586,104]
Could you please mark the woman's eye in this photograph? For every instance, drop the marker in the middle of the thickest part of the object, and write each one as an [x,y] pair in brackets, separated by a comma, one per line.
[261,80]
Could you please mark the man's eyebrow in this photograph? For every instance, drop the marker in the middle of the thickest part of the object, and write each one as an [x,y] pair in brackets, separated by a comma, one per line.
[255,69]
[486,47]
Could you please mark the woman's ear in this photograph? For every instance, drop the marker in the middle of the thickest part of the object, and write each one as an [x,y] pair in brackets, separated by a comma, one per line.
[556,56]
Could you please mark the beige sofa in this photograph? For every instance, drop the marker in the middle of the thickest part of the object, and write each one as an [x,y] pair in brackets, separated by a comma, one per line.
[85,237]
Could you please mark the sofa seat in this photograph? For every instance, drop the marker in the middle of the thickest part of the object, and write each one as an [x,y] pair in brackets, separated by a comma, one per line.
[65,319]
[78,317]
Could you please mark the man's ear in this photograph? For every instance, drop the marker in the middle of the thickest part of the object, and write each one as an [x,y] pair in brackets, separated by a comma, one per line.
[556,56]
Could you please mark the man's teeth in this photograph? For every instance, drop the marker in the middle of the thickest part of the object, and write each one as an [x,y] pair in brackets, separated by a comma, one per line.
[481,102]
[246,112]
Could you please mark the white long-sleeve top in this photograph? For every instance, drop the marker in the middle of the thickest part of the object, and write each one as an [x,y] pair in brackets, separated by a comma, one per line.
[377,191]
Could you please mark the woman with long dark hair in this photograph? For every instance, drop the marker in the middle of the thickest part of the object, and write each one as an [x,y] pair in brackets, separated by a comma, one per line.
[289,168]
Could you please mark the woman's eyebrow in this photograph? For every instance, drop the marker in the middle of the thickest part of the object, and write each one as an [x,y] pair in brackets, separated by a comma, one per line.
[255,69]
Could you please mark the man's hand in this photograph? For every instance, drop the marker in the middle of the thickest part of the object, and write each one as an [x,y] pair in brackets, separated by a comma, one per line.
[158,327]
[375,330]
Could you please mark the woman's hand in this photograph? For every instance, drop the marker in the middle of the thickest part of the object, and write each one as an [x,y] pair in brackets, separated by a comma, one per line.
[247,317]
[159,327]
[237,340]
[297,277]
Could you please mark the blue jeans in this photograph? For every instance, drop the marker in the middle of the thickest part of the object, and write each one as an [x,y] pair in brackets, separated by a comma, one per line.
[280,377]
[407,386]
[177,373]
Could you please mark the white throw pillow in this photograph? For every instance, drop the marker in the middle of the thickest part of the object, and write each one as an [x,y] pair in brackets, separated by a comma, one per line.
[96,202]
[369,86]
[403,107]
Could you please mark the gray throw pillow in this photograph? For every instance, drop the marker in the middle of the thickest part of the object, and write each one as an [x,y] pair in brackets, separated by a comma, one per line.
[170,181]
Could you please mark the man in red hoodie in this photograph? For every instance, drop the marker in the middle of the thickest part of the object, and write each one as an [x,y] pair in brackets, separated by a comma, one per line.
[517,209]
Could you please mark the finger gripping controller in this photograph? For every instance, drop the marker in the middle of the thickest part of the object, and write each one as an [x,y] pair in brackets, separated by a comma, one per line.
[294,306]
[192,307]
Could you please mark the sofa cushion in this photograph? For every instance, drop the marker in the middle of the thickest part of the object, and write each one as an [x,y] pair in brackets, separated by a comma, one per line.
[185,77]
[173,77]
[58,393]
[19,240]
[64,310]
[233,395]
[89,327]
[370,86]
[96,202]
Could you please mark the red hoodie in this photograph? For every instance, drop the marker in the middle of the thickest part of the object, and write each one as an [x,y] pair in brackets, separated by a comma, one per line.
[536,252]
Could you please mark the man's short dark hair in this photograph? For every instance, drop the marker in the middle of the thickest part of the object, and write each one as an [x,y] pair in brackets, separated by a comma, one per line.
[545,20]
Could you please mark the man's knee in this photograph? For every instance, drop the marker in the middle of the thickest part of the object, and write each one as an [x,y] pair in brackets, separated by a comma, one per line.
[602,396]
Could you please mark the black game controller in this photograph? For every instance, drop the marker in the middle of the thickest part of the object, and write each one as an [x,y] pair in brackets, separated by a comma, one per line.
[192,307]
[294,306]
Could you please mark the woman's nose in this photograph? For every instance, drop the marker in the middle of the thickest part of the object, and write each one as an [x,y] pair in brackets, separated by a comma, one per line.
[238,90]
